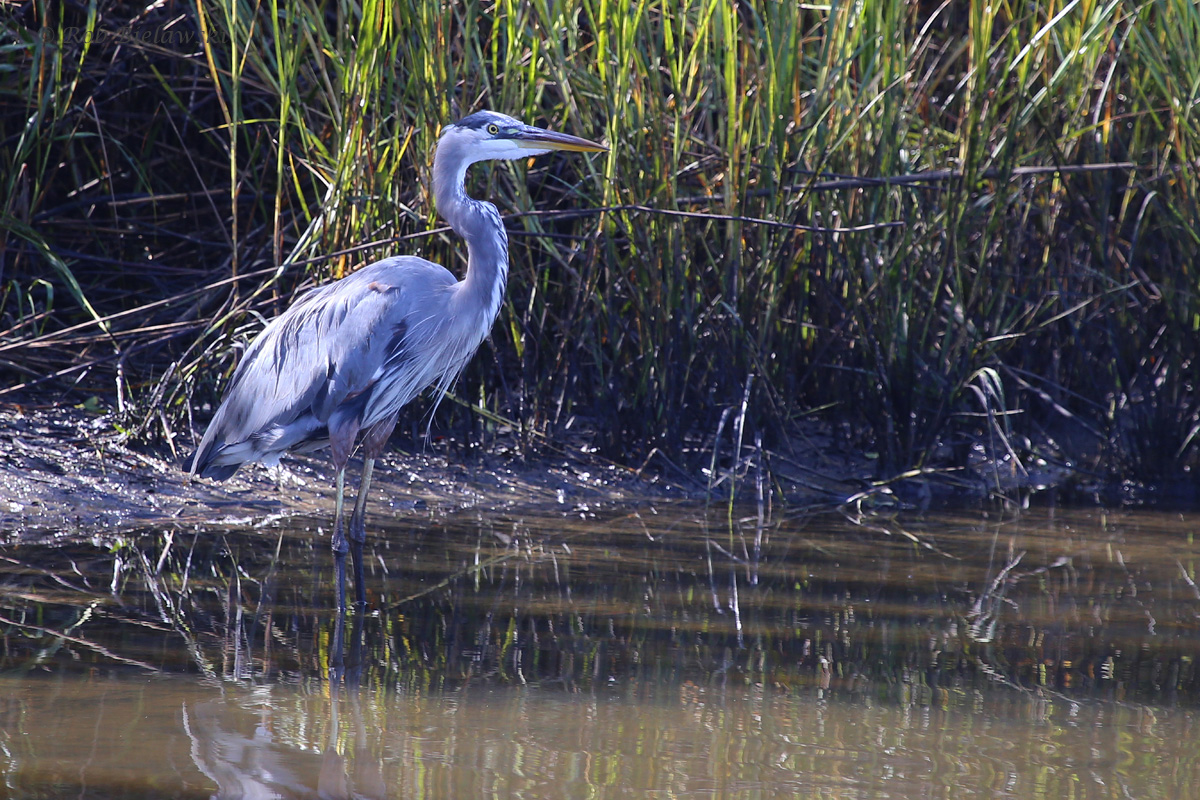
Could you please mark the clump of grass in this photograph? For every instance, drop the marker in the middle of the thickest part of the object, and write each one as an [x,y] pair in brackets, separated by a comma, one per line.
[179,191]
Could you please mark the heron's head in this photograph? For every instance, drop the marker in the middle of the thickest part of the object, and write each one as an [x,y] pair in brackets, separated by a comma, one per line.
[486,135]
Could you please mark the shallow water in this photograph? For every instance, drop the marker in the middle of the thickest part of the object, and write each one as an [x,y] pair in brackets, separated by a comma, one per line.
[656,652]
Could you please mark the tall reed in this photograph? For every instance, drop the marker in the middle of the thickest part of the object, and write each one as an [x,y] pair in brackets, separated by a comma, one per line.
[971,279]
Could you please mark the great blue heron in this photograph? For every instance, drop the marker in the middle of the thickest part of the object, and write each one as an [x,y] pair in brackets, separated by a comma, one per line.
[349,355]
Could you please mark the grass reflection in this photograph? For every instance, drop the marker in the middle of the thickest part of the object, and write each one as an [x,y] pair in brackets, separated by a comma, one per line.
[923,610]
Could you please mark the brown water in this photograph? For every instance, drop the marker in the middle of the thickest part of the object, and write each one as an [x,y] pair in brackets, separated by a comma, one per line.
[645,654]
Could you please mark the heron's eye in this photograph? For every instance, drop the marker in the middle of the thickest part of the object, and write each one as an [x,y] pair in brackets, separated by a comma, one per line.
[493,128]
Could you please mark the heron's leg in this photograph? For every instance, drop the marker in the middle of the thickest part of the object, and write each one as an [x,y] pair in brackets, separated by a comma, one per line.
[341,442]
[339,539]
[374,441]
[358,529]
[337,664]
[339,535]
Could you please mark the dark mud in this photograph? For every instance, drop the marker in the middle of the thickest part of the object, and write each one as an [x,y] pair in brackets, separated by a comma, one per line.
[65,470]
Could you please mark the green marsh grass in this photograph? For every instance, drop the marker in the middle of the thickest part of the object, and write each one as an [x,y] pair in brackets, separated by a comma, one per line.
[1005,198]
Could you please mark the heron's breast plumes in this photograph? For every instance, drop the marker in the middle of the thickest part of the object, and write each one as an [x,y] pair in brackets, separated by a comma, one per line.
[434,350]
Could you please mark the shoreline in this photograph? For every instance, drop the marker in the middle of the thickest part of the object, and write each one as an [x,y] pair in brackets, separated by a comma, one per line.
[66,470]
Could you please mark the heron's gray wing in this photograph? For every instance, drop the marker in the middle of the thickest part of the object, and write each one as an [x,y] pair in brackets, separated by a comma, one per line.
[327,350]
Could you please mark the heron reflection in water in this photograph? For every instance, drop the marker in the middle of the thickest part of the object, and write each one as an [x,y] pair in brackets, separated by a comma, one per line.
[346,357]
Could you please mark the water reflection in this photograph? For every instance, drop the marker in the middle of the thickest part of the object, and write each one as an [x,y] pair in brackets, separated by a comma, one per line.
[248,746]
[107,737]
[671,653]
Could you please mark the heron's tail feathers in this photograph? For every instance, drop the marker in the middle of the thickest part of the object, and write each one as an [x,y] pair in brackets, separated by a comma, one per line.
[202,463]
[220,459]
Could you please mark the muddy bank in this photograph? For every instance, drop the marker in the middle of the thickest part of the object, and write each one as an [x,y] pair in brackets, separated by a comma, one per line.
[69,470]
[66,470]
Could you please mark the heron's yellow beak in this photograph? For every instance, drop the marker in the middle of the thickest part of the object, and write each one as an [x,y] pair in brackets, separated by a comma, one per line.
[532,138]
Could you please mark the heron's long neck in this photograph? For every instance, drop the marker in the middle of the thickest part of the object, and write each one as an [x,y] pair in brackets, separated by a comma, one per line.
[479,224]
